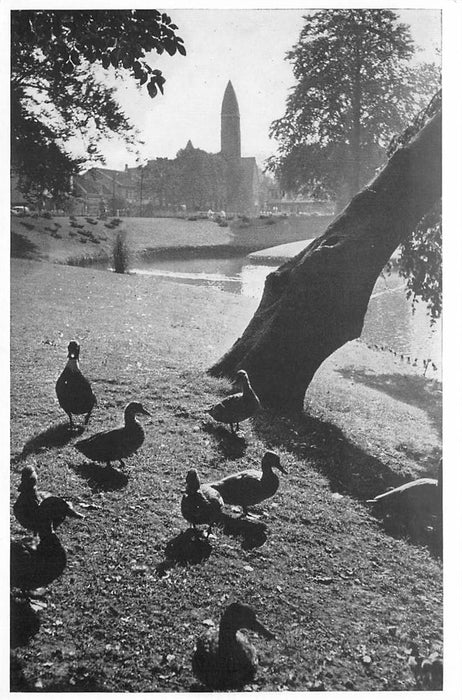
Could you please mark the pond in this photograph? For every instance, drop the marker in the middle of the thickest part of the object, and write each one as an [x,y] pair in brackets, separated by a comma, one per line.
[390,323]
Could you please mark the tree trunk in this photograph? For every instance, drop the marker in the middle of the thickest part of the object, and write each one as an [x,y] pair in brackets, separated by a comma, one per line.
[316,302]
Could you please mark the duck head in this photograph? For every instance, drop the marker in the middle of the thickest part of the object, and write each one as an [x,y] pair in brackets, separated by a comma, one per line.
[193,483]
[272,461]
[56,508]
[28,479]
[242,376]
[134,408]
[73,350]
[240,616]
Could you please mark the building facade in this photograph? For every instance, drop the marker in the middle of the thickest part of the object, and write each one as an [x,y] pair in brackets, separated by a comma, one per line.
[130,192]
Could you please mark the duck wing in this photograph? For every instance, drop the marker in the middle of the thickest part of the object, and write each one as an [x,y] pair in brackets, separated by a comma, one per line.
[202,507]
[26,510]
[227,410]
[230,667]
[111,445]
[74,392]
[242,488]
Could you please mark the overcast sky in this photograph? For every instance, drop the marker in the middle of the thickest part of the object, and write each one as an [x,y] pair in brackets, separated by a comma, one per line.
[246,47]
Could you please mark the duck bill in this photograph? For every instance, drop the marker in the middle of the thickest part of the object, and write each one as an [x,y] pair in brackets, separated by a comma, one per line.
[282,469]
[145,412]
[72,513]
[258,627]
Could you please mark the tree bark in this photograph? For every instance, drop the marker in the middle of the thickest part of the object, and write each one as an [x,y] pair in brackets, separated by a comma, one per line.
[316,302]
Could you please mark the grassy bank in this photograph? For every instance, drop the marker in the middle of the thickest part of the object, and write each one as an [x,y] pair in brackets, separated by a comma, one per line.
[78,239]
[344,598]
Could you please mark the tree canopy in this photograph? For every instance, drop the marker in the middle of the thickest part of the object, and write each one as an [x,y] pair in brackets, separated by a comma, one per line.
[355,88]
[59,63]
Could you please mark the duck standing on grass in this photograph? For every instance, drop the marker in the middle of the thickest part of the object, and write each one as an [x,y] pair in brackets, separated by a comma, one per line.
[73,390]
[237,407]
[110,445]
[249,487]
[225,658]
[200,505]
[30,510]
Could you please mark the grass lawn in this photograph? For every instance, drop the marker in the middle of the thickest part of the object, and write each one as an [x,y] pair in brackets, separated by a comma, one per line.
[344,598]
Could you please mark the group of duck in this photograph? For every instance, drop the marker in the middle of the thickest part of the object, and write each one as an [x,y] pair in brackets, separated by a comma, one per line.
[224,657]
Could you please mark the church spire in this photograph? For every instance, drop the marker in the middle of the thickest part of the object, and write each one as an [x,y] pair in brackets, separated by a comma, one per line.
[230,124]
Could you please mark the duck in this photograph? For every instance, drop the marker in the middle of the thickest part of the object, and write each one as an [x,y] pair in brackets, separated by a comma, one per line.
[251,486]
[31,507]
[36,565]
[26,507]
[74,392]
[57,509]
[110,445]
[237,407]
[415,502]
[200,505]
[224,658]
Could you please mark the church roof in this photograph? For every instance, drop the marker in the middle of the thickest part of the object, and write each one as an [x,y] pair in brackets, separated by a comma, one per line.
[229,106]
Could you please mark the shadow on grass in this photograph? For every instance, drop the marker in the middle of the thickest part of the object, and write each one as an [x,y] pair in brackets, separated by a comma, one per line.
[349,469]
[416,391]
[101,478]
[232,446]
[24,622]
[22,247]
[54,436]
[189,547]
[426,530]
[253,533]
[78,679]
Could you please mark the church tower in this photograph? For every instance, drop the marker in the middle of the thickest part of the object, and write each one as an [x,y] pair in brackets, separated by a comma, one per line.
[230,125]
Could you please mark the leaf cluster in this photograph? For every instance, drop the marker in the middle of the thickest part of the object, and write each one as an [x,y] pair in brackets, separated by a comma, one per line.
[59,59]
[420,259]
[352,71]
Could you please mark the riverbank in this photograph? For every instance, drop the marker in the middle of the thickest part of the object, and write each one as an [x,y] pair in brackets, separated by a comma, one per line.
[80,240]
[344,598]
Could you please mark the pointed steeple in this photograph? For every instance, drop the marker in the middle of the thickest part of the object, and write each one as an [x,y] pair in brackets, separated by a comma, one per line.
[230,124]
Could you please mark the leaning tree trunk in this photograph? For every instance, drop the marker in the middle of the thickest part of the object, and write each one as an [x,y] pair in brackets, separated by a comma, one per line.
[316,302]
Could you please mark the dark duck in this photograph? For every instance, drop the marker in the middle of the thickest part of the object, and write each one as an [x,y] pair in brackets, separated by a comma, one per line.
[200,505]
[32,507]
[237,407]
[26,507]
[224,658]
[251,486]
[36,565]
[73,390]
[111,445]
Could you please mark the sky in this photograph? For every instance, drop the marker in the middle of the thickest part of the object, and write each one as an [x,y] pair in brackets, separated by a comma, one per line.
[246,47]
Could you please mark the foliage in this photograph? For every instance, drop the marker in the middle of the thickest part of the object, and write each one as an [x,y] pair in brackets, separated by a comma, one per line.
[420,260]
[354,90]
[194,178]
[59,64]
[202,179]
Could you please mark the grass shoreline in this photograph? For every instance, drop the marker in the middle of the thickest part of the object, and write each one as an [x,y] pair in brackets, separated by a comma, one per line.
[344,598]
[60,239]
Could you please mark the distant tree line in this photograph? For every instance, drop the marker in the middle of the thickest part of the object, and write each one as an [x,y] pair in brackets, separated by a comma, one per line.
[355,88]
[194,178]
